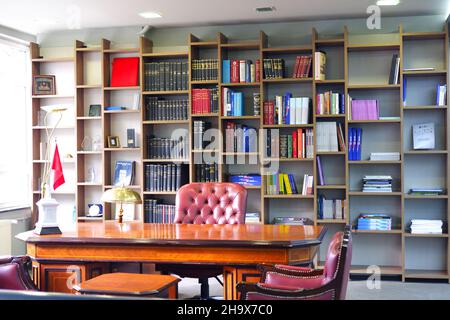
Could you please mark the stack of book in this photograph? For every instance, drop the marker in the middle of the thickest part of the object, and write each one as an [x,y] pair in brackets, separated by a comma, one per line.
[165,177]
[330,103]
[364,110]
[235,71]
[155,212]
[299,144]
[283,183]
[156,109]
[330,209]
[233,103]
[380,222]
[240,138]
[384,156]
[251,180]
[273,68]
[441,92]
[422,226]
[207,172]
[354,144]
[205,69]
[426,191]
[200,128]
[287,110]
[377,184]
[330,137]
[293,221]
[205,101]
[165,148]
[166,76]
[395,69]
[252,217]
[302,67]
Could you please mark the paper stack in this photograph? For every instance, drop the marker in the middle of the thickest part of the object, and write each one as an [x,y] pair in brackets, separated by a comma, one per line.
[420,226]
[377,184]
[385,156]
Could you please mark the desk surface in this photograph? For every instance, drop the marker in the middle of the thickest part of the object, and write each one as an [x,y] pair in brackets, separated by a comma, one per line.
[136,233]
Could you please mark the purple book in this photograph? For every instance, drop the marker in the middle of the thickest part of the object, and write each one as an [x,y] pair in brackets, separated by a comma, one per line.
[319,166]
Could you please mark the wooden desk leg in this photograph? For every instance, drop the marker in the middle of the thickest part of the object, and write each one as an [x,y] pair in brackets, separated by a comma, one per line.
[233,275]
[173,291]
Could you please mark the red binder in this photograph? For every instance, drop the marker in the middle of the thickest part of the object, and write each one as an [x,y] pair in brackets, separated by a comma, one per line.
[125,72]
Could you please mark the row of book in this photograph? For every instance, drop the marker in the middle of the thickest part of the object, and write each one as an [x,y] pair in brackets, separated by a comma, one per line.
[205,69]
[200,127]
[165,148]
[205,101]
[240,71]
[354,144]
[299,144]
[253,180]
[166,76]
[165,177]
[284,183]
[330,208]
[302,67]
[233,103]
[273,68]
[376,221]
[377,183]
[364,110]
[240,138]
[159,109]
[155,212]
[287,110]
[207,172]
[330,102]
[252,217]
[330,137]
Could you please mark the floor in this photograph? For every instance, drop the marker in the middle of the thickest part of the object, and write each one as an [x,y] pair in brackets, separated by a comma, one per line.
[357,290]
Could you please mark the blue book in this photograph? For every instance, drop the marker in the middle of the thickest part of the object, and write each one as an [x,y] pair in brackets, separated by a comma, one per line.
[350,144]
[232,103]
[247,71]
[341,103]
[241,103]
[287,108]
[226,64]
[109,108]
[123,173]
[358,143]
[404,91]
[292,182]
[246,145]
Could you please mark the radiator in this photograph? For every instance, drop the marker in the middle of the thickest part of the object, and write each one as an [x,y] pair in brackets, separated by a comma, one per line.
[8,229]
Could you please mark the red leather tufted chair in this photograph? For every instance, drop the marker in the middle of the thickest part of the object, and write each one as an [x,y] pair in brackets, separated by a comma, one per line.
[297,283]
[14,274]
[207,203]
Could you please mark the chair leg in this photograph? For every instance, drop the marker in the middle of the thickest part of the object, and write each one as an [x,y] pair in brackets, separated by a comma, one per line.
[204,288]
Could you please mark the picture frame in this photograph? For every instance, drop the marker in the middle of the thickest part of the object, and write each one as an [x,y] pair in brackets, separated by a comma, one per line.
[113,142]
[44,85]
[95,110]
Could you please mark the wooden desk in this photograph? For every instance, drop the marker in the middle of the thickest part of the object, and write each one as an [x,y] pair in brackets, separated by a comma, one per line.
[59,260]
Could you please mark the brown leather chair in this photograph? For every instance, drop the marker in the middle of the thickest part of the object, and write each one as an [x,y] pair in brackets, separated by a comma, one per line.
[14,274]
[297,283]
[207,203]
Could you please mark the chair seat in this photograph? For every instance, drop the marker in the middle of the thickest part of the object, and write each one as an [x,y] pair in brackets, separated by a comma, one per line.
[129,284]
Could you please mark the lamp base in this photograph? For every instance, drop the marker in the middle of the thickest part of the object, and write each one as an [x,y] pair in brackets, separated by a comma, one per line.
[42,230]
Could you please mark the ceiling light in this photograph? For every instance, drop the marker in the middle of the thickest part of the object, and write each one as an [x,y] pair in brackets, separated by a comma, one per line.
[388,2]
[265,9]
[150,15]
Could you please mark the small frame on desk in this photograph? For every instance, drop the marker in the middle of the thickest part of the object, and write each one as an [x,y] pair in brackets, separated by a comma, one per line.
[95,110]
[113,142]
[44,85]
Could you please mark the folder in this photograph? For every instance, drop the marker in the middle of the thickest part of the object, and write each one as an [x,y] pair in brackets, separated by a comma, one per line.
[125,72]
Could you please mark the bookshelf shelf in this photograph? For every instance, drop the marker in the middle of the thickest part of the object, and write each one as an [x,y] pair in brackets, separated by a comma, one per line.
[293,49]
[240,153]
[373,47]
[203,82]
[377,231]
[324,116]
[241,118]
[331,153]
[426,274]
[274,126]
[205,44]
[131,187]
[205,151]
[240,84]
[122,50]
[287,80]
[161,93]
[332,187]
[385,270]
[89,118]
[53,60]
[379,194]
[159,55]
[243,45]
[122,88]
[50,128]
[330,81]
[164,160]
[427,235]
[55,96]
[164,122]
[425,152]
[373,86]
[89,184]
[425,73]
[288,159]
[204,115]
[89,152]
[288,196]
[121,111]
[410,196]
[423,35]
[89,86]
[160,193]
[424,107]
[331,221]
[370,162]
[330,42]
[85,218]
[121,149]
[89,49]
[375,121]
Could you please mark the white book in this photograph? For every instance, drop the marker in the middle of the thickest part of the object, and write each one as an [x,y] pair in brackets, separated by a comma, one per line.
[242,71]
[293,111]
[310,184]
[305,178]
[305,110]
[279,108]
[298,111]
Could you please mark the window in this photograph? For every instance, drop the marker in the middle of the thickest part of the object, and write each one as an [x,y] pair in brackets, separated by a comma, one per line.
[14,126]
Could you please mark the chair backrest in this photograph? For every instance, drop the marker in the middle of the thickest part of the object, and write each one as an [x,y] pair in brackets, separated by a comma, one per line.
[211,203]
[338,261]
[14,274]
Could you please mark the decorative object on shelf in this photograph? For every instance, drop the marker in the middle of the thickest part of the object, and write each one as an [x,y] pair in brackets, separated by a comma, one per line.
[124,173]
[41,117]
[113,142]
[95,110]
[97,143]
[256,104]
[47,222]
[121,195]
[136,101]
[95,210]
[44,85]
[86,144]
[423,136]
[131,138]
[91,175]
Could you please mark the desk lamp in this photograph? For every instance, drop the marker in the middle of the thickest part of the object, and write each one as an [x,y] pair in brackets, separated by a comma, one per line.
[121,195]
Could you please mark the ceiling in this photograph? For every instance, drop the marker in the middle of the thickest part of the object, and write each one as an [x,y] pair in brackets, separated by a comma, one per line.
[42,16]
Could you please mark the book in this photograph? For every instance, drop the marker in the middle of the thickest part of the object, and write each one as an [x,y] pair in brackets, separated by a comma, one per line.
[319,168]
[423,136]
[125,72]
[320,65]
[205,69]
[124,173]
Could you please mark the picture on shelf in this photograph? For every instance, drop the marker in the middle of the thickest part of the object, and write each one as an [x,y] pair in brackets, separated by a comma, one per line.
[423,136]
[113,142]
[124,173]
[95,110]
[44,85]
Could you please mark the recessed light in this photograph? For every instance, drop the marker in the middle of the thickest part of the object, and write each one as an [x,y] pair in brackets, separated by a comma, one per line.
[265,9]
[388,2]
[150,15]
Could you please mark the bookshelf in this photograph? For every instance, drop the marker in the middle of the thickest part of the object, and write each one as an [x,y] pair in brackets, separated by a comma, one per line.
[357,65]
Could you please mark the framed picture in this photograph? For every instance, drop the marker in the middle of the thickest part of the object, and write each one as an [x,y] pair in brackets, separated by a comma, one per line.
[44,85]
[113,142]
[95,110]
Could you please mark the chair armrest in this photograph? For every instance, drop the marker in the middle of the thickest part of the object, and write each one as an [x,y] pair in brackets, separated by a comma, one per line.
[5,259]
[288,270]
[260,291]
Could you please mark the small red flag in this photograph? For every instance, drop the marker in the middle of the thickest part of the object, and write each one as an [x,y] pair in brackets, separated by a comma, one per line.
[58,178]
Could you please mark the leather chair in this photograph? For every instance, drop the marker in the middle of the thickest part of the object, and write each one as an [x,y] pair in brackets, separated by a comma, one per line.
[14,274]
[207,203]
[298,283]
